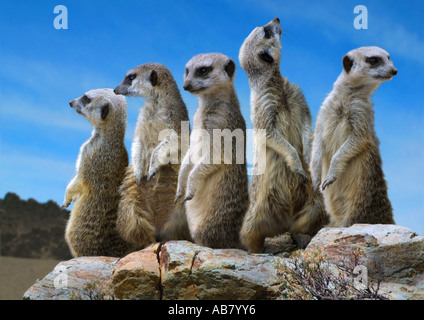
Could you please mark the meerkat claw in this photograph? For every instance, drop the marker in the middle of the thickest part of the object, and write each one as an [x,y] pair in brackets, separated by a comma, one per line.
[187,198]
[151,175]
[327,183]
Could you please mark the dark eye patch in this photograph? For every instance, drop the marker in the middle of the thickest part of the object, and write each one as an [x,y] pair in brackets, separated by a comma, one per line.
[85,100]
[203,71]
[129,78]
[373,61]
[265,56]
[268,32]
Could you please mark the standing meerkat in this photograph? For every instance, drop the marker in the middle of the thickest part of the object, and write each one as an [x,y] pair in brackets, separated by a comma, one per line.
[345,153]
[281,198]
[147,211]
[100,168]
[213,182]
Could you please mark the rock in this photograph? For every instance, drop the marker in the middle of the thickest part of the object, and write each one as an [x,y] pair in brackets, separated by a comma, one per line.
[85,278]
[183,270]
[137,275]
[399,291]
[190,271]
[393,252]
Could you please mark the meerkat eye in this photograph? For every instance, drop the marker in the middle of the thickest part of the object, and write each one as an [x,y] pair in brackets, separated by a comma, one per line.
[85,100]
[388,57]
[129,78]
[268,32]
[203,71]
[373,60]
[186,72]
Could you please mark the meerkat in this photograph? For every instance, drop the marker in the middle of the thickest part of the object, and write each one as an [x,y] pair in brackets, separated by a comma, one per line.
[212,182]
[100,168]
[345,152]
[147,211]
[281,198]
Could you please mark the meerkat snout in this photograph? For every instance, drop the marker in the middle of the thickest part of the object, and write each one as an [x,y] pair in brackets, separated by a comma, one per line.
[187,87]
[80,103]
[262,47]
[394,71]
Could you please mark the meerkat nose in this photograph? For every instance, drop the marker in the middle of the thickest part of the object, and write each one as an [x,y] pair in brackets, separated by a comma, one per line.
[71,103]
[394,71]
[187,87]
[276,20]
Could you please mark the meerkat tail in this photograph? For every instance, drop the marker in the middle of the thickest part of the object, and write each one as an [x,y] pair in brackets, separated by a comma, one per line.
[176,228]
[135,220]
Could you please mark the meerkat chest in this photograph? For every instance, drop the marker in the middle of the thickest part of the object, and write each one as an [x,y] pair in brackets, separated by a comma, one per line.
[336,127]
[150,127]
[200,138]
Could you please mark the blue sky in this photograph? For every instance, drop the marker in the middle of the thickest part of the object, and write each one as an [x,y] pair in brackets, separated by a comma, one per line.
[42,69]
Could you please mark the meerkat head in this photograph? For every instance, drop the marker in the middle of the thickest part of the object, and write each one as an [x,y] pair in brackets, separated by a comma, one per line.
[368,66]
[99,106]
[208,72]
[262,48]
[144,80]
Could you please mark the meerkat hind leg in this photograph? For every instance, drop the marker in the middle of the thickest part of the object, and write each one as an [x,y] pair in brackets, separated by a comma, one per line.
[257,226]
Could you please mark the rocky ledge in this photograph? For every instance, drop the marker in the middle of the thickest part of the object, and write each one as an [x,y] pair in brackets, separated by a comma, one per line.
[391,255]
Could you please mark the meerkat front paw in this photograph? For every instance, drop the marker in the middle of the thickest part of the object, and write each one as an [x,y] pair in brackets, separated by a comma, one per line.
[66,204]
[315,183]
[328,182]
[189,195]
[69,198]
[152,172]
[138,176]
[137,179]
[179,194]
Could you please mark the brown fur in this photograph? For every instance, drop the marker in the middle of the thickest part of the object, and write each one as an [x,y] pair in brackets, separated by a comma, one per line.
[101,164]
[216,194]
[281,198]
[147,211]
[346,156]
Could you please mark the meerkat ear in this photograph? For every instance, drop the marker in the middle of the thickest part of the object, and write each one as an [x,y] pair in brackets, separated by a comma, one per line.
[153,78]
[230,68]
[104,111]
[347,63]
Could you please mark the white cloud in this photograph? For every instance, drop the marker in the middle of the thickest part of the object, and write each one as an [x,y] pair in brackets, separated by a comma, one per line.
[35,164]
[48,78]
[42,115]
[400,40]
[330,19]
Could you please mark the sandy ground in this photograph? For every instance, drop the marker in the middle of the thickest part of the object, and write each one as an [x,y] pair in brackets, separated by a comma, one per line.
[18,274]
